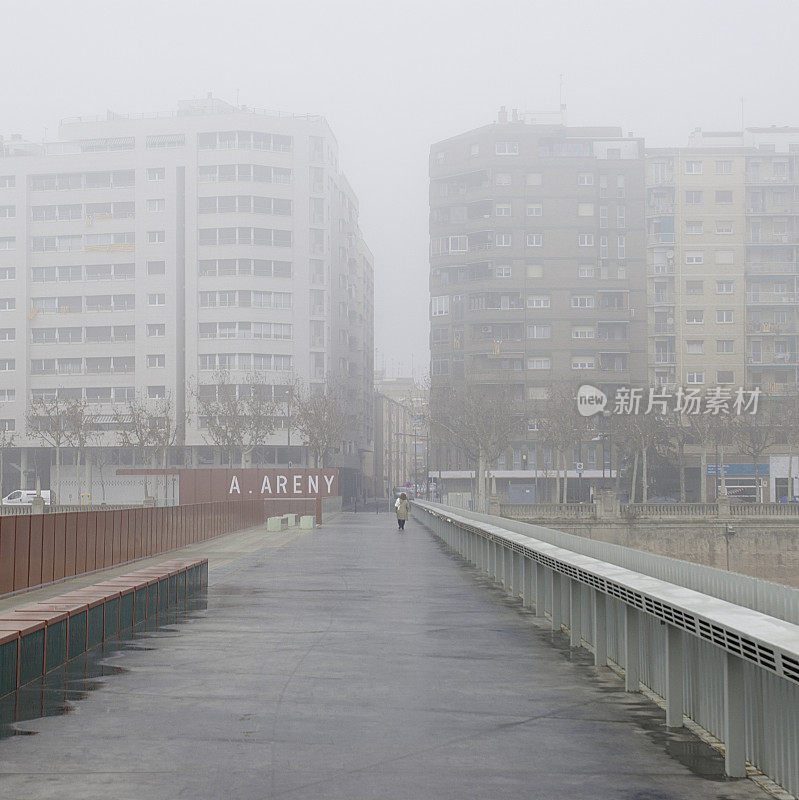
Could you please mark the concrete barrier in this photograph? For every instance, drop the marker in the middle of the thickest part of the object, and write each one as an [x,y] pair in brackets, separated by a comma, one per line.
[307,522]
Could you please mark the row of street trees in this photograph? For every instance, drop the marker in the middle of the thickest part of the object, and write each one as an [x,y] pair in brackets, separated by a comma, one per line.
[485,421]
[235,419]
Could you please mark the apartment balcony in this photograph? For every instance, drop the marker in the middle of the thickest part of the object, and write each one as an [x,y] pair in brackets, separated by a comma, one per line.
[767,180]
[771,328]
[660,209]
[790,209]
[653,239]
[660,269]
[773,268]
[661,299]
[662,329]
[664,358]
[772,360]
[771,298]
[772,238]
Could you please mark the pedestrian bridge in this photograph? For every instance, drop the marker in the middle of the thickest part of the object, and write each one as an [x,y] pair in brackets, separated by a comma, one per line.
[354,661]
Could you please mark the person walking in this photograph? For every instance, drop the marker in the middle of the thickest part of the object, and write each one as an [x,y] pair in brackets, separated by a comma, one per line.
[402,507]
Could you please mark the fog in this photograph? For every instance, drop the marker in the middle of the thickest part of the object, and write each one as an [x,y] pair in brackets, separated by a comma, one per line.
[393,79]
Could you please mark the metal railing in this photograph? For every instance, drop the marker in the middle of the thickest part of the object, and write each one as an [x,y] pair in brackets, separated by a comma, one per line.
[708,642]
[10,510]
[565,511]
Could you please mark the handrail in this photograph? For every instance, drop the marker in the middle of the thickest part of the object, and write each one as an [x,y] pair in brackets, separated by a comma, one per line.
[733,669]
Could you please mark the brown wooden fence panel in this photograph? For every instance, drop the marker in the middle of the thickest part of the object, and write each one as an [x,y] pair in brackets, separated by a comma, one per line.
[80,542]
[60,539]
[7,529]
[22,545]
[91,541]
[48,547]
[71,539]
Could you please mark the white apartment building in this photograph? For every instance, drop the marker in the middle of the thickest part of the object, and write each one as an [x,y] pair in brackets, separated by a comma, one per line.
[144,253]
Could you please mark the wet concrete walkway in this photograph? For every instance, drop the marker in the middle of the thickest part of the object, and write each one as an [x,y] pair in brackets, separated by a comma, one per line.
[353,662]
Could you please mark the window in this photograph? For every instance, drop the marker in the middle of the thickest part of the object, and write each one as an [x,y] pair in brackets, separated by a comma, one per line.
[502,272]
[583,301]
[603,246]
[156,237]
[474,150]
[694,287]
[439,366]
[503,179]
[156,174]
[693,228]
[157,204]
[585,209]
[725,287]
[583,333]
[156,392]
[694,316]
[695,377]
[694,257]
[8,364]
[535,239]
[7,334]
[7,181]
[8,242]
[725,346]
[724,226]
[157,360]
[724,256]
[504,239]
[8,212]
[534,179]
[539,331]
[8,273]
[585,239]
[157,299]
[7,396]
[724,316]
[538,301]
[535,210]
[695,348]
[439,306]
[584,362]
[603,216]
[507,148]
[8,303]
[693,167]
[502,210]
[724,168]
[725,376]
[585,179]
[724,196]
[693,196]
[621,248]
[539,363]
[156,267]
[586,272]
[156,329]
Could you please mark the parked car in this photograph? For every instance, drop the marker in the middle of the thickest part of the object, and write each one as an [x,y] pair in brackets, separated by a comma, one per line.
[24,497]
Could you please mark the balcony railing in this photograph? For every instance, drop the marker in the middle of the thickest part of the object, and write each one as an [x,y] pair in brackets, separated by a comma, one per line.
[659,238]
[663,328]
[772,298]
[773,268]
[665,358]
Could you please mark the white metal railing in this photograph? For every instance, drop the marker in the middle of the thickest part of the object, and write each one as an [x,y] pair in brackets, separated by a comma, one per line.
[730,665]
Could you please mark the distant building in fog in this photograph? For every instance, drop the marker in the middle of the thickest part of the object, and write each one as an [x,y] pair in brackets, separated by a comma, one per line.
[537,271]
[146,252]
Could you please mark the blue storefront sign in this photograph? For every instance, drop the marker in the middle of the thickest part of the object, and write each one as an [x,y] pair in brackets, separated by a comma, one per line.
[740,469]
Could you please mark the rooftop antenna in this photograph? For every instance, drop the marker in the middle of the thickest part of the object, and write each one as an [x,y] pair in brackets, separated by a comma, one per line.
[237,98]
[562,101]
[742,114]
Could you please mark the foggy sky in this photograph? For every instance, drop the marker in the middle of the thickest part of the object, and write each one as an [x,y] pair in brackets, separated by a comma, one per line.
[392,79]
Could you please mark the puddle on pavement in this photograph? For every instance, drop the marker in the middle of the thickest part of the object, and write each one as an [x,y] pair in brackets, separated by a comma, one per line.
[57,692]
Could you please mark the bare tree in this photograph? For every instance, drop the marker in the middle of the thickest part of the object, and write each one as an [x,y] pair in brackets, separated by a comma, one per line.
[135,429]
[480,420]
[676,435]
[321,416]
[754,434]
[790,429]
[561,428]
[7,441]
[47,421]
[237,416]
[81,434]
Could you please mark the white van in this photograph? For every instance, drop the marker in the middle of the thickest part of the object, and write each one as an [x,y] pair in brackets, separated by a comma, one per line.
[24,497]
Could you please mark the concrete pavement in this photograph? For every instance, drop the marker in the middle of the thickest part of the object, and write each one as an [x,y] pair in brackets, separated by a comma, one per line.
[352,662]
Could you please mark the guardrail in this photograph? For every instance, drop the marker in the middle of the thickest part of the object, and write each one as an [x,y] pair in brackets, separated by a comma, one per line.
[731,667]
[7,510]
[670,509]
[567,511]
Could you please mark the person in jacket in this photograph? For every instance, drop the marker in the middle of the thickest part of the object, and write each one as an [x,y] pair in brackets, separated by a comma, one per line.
[402,508]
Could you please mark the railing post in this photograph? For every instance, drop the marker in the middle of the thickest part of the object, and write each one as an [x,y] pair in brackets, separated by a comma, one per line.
[527,590]
[600,628]
[632,655]
[575,614]
[494,553]
[555,601]
[734,717]
[540,590]
[674,677]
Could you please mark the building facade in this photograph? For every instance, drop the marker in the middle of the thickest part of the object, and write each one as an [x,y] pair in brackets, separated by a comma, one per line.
[537,270]
[143,255]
